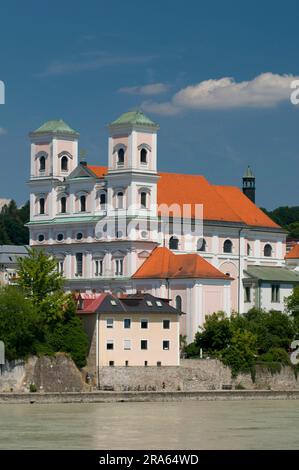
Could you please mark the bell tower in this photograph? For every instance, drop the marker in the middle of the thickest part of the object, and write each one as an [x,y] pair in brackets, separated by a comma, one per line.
[249,184]
[132,164]
[54,150]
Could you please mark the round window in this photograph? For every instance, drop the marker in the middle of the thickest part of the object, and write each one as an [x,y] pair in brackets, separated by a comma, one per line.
[79,236]
[41,237]
[60,237]
[144,234]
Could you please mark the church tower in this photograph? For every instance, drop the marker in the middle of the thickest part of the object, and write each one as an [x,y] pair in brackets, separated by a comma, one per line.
[249,184]
[132,164]
[54,155]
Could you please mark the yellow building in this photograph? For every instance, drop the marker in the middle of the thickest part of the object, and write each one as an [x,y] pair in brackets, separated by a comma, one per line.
[132,330]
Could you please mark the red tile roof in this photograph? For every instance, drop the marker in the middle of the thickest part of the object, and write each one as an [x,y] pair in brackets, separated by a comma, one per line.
[91,304]
[220,203]
[293,253]
[163,264]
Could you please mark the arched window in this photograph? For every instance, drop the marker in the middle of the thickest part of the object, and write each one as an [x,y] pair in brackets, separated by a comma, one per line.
[82,203]
[42,163]
[227,246]
[201,245]
[120,200]
[174,243]
[63,205]
[143,200]
[248,249]
[64,163]
[267,250]
[42,205]
[121,156]
[143,156]
[178,303]
[103,200]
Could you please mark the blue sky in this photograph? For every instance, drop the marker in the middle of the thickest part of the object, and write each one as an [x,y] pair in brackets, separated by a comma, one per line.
[88,62]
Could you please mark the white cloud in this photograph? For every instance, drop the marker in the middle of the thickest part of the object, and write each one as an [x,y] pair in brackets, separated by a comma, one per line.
[94,61]
[152,89]
[3,131]
[265,90]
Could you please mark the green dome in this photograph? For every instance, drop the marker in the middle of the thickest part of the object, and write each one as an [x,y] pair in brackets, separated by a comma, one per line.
[134,118]
[55,127]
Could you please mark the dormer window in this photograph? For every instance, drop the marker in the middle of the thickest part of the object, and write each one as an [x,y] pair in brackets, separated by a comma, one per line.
[64,163]
[121,156]
[42,163]
[143,156]
[82,203]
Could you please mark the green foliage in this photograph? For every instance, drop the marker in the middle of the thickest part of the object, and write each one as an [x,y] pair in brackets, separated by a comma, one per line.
[216,334]
[20,325]
[38,276]
[240,353]
[32,388]
[12,224]
[37,316]
[287,217]
[241,341]
[192,350]
[279,355]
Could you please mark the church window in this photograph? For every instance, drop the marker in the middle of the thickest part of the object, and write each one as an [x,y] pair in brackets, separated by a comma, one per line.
[227,246]
[64,163]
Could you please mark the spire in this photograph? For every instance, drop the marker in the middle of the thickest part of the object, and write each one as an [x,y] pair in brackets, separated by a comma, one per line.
[248,173]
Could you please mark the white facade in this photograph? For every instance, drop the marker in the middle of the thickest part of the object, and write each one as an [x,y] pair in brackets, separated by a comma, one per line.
[71,205]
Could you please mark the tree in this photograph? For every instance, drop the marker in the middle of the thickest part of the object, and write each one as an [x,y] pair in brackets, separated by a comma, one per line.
[12,224]
[38,276]
[20,326]
[216,333]
[241,353]
[43,285]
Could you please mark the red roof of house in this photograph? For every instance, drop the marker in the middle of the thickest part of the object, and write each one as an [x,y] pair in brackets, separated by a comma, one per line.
[91,302]
[220,203]
[163,264]
[293,253]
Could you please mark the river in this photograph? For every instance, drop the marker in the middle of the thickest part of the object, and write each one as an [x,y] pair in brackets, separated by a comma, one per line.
[271,424]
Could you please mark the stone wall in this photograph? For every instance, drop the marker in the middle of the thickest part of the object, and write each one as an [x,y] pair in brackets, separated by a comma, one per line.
[192,375]
[12,376]
[48,374]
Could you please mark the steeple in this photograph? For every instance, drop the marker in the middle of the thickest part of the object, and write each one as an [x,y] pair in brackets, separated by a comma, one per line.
[249,184]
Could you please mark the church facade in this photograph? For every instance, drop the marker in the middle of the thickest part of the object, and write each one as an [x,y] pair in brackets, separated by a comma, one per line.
[127,227]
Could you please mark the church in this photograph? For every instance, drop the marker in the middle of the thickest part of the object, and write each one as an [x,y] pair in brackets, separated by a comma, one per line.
[126,227]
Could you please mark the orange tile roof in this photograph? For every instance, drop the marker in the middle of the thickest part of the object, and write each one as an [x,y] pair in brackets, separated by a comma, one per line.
[293,253]
[163,264]
[220,203]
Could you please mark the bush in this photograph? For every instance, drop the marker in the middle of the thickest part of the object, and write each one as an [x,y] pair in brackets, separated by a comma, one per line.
[32,388]
[276,355]
[192,350]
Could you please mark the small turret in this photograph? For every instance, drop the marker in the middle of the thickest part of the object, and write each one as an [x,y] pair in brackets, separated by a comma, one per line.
[249,184]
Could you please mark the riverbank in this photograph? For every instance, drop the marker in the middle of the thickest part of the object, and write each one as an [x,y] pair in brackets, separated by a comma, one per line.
[108,397]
